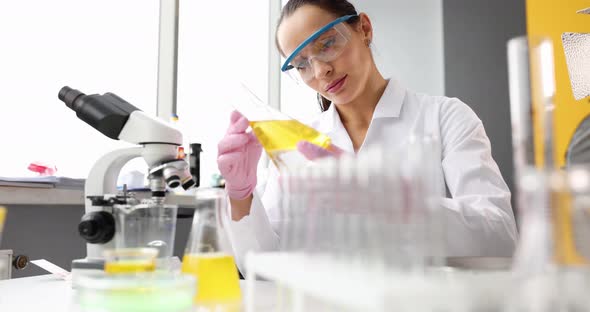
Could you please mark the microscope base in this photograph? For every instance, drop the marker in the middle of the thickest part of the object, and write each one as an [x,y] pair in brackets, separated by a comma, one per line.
[82,267]
[88,264]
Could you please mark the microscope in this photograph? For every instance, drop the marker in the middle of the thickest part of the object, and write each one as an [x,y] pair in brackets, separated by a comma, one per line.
[158,144]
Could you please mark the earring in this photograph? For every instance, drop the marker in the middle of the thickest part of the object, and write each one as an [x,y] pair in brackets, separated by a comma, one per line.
[368,42]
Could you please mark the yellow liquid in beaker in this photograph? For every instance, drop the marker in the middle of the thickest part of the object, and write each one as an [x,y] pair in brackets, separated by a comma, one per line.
[130,266]
[277,136]
[217,277]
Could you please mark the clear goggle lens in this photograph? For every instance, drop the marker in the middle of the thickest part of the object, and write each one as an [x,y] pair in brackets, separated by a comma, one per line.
[325,48]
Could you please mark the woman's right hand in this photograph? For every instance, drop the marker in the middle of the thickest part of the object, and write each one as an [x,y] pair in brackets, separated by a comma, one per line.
[237,158]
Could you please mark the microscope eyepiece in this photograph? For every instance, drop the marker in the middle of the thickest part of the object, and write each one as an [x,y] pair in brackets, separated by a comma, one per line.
[69,96]
[107,113]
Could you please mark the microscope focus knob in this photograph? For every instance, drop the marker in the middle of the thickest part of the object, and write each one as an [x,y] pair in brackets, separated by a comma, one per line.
[20,262]
[97,227]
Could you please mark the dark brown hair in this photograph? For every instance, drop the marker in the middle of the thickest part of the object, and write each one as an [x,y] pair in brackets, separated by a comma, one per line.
[336,7]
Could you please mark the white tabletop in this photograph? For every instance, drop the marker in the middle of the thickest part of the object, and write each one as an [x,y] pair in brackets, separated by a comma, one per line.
[50,293]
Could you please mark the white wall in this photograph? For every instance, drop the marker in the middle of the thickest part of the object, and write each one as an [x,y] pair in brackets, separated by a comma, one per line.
[408,41]
[93,46]
[221,43]
[112,46]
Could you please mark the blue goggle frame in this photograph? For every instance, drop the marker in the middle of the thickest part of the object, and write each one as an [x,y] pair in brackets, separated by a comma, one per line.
[286,66]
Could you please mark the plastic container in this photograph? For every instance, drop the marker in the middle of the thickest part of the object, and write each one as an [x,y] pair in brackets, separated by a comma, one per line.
[130,260]
[134,293]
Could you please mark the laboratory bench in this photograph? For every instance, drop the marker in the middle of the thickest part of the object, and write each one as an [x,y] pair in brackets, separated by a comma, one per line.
[16,195]
[51,293]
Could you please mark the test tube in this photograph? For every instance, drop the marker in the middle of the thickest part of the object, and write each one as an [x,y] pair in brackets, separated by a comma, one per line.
[579,182]
[533,252]
[347,181]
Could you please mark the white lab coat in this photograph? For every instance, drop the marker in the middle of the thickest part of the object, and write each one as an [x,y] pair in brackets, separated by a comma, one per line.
[479,216]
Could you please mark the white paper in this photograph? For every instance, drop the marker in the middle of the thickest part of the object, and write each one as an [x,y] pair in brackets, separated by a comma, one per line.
[52,268]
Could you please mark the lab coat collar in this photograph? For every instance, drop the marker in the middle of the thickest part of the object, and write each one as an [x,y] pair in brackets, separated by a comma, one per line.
[389,105]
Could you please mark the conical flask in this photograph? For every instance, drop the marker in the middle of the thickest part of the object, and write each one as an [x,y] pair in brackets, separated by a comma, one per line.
[215,270]
[278,133]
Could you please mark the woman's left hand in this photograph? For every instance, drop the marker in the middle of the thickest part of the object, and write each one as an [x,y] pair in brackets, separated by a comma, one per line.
[313,152]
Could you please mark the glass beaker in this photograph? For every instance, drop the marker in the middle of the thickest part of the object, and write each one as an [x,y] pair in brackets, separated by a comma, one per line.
[150,224]
[278,133]
[216,271]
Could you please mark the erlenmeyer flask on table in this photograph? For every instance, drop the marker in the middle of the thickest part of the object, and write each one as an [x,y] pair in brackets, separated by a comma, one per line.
[216,271]
[278,133]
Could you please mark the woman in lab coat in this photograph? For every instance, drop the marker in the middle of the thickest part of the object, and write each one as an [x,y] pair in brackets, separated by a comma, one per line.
[327,46]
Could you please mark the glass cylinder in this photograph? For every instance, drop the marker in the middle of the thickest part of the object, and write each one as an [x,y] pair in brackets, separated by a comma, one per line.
[554,210]
[570,215]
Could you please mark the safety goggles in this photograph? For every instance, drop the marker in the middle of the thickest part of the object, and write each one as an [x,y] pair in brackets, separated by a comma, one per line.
[325,45]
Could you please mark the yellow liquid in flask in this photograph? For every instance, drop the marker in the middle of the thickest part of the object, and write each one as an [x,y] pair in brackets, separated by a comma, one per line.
[217,276]
[278,136]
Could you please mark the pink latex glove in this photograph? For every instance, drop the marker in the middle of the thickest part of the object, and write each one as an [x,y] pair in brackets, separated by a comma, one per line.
[237,158]
[313,152]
